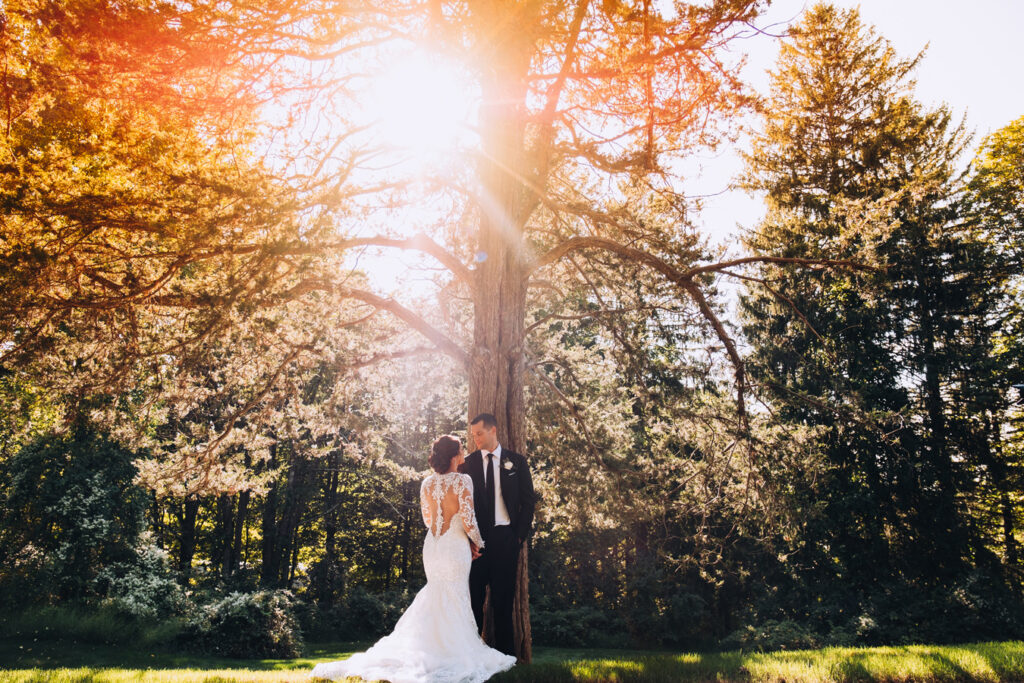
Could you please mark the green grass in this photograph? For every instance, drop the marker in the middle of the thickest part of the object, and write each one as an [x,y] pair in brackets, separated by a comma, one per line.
[51,661]
[84,624]
[979,662]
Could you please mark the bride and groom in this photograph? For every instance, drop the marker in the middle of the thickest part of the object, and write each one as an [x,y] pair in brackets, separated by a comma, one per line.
[478,510]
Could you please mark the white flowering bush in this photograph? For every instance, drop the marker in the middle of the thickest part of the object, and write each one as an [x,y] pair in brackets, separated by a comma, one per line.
[246,625]
[145,588]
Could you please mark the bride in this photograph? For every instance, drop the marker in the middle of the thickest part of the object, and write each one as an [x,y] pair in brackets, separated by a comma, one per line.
[436,640]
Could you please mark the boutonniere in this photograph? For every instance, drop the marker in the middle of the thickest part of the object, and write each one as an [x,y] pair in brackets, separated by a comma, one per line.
[507,464]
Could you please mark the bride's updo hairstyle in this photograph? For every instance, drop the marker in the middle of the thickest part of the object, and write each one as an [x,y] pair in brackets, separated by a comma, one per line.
[445,448]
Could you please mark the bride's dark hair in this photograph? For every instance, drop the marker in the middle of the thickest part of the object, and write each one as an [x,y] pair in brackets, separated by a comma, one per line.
[445,448]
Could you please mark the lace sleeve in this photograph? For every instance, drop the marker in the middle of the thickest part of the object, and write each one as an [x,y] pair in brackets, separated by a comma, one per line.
[425,507]
[467,510]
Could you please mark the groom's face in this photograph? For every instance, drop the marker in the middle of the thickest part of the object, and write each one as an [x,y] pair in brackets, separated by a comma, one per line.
[484,438]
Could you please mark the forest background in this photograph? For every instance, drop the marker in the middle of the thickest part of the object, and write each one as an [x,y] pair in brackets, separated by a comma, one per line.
[214,421]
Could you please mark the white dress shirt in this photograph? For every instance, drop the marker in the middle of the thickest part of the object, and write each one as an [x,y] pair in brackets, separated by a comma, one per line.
[500,511]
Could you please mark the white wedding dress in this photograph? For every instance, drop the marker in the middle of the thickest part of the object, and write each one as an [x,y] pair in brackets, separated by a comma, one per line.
[436,640]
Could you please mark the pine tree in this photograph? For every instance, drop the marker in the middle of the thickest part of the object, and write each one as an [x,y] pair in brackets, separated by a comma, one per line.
[853,167]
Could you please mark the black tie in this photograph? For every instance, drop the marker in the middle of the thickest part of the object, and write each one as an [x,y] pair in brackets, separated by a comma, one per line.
[489,488]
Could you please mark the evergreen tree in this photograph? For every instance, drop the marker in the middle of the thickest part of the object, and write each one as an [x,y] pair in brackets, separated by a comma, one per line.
[996,192]
[891,361]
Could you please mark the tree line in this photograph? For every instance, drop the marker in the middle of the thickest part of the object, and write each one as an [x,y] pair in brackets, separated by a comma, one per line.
[186,333]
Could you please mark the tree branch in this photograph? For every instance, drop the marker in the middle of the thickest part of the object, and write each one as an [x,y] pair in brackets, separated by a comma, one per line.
[413,320]
[685,280]
[730,346]
[393,355]
[409,317]
[639,256]
[571,405]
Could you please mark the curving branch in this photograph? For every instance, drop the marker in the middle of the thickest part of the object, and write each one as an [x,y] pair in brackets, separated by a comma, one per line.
[418,242]
[580,243]
[730,346]
[393,355]
[406,315]
[413,320]
[686,280]
[789,301]
[811,263]
[640,256]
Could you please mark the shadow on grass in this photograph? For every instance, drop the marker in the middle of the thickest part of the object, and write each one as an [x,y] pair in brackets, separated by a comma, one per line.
[973,663]
[52,654]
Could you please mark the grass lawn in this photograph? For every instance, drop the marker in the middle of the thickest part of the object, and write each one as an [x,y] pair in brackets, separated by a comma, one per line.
[50,662]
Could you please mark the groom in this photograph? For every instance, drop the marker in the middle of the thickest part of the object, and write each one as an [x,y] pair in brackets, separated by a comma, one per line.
[504,501]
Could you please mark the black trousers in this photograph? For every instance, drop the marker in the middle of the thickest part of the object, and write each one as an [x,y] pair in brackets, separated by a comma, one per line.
[496,567]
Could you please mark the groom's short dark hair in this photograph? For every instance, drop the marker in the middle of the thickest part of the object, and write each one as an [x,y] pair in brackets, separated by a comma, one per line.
[488,420]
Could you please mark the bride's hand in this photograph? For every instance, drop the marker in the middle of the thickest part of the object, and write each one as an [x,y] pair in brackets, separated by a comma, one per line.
[474,550]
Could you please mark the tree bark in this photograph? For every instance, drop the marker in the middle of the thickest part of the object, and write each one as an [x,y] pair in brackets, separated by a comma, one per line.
[497,360]
[226,524]
[190,508]
[268,568]
[236,544]
[331,504]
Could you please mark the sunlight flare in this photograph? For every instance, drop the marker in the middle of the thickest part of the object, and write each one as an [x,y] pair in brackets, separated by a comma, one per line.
[423,105]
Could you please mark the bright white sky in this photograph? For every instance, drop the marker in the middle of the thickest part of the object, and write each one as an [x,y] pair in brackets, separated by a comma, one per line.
[974,63]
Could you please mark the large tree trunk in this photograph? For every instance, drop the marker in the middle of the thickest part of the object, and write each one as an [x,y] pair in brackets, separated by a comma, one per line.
[948,541]
[497,367]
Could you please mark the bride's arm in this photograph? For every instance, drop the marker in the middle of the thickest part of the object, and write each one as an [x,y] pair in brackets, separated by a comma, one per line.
[468,513]
[425,507]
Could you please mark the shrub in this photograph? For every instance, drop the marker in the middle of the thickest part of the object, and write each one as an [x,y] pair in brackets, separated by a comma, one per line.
[579,626]
[361,615]
[69,505]
[245,625]
[144,588]
[80,622]
[772,635]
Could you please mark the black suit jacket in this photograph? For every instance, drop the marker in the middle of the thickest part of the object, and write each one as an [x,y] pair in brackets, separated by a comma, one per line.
[516,490]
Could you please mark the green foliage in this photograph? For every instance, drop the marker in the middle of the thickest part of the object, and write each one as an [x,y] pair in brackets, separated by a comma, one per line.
[772,635]
[71,507]
[975,603]
[893,364]
[144,588]
[577,626]
[997,187]
[360,615]
[259,624]
[90,622]
[26,412]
